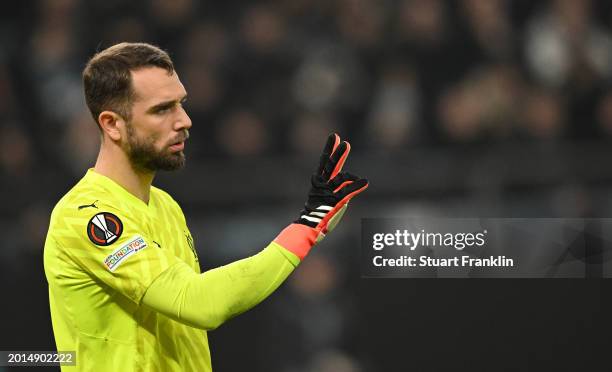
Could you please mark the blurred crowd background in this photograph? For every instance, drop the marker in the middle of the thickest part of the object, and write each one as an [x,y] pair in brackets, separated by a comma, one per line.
[491,108]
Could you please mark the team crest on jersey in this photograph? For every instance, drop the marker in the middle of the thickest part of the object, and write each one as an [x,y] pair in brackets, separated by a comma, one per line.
[192,246]
[104,229]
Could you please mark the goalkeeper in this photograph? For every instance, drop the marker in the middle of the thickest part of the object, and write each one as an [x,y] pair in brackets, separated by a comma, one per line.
[125,287]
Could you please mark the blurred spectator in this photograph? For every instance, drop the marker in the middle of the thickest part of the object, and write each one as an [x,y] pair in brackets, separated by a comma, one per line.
[263,29]
[394,120]
[172,13]
[421,21]
[170,19]
[564,42]
[52,51]
[207,44]
[566,48]
[543,115]
[307,131]
[205,87]
[361,22]
[481,106]
[80,143]
[125,29]
[242,133]
[490,26]
[15,152]
[333,361]
[330,76]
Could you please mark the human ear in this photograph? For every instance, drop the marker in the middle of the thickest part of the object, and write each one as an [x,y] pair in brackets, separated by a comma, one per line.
[111,124]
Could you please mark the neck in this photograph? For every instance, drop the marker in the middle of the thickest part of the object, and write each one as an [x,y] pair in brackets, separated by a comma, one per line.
[114,163]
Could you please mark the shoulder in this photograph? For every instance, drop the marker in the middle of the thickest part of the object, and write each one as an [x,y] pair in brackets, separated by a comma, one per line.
[75,218]
[81,204]
[81,196]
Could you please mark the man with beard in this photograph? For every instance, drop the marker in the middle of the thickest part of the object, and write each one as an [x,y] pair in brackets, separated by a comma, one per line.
[125,288]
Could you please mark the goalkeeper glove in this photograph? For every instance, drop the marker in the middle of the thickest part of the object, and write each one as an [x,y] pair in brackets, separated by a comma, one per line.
[328,199]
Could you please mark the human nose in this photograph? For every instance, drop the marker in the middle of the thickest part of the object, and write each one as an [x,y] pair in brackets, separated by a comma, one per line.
[183,121]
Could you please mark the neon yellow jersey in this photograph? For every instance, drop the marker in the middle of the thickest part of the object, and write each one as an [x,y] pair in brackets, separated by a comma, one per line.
[103,250]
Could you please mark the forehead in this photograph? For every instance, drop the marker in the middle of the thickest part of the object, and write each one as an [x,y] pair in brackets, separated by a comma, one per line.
[153,85]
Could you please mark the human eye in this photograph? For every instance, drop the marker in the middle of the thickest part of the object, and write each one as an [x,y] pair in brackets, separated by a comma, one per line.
[162,110]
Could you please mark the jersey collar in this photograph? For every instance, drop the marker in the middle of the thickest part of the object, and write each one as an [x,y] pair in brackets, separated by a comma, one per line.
[115,188]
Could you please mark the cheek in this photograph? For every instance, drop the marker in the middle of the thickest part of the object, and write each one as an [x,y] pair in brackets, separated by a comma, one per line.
[154,140]
[149,131]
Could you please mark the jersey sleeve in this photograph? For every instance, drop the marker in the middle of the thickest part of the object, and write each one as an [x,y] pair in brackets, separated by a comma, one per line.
[114,247]
[207,300]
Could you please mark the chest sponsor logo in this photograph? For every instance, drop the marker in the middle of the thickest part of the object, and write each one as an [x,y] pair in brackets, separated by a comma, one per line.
[121,254]
[104,229]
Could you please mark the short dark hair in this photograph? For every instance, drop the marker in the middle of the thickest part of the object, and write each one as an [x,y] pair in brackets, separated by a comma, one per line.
[107,78]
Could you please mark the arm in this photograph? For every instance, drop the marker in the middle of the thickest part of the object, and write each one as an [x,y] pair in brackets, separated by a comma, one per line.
[207,300]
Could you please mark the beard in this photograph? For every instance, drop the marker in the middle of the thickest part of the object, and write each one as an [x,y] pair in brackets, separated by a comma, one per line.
[146,157]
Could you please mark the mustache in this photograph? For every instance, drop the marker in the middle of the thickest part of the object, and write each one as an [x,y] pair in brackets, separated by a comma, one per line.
[181,137]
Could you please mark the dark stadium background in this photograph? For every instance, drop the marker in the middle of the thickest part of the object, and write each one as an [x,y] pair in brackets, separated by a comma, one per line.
[455,108]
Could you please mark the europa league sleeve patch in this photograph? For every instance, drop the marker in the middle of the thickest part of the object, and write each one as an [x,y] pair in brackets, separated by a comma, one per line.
[104,228]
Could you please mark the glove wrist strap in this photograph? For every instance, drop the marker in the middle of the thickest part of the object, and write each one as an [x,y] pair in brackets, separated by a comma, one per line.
[297,239]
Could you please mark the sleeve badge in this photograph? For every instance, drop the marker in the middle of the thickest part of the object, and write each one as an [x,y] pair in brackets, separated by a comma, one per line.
[104,229]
